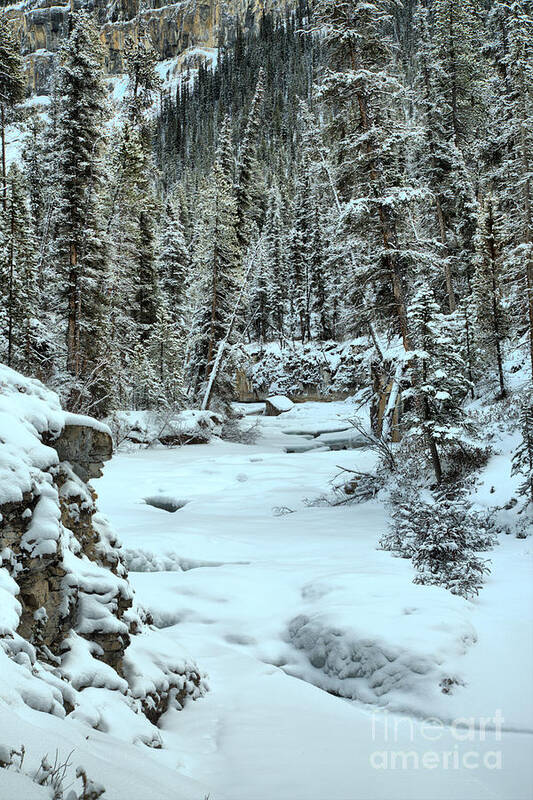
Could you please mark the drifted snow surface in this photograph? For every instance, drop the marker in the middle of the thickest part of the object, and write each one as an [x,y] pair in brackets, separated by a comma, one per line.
[324,660]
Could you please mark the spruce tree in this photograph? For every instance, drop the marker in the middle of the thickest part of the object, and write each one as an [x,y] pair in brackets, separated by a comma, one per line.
[443,553]
[166,352]
[173,258]
[508,151]
[12,86]
[250,192]
[140,61]
[457,36]
[436,421]
[361,89]
[442,162]
[80,241]
[19,298]
[523,456]
[275,262]
[217,259]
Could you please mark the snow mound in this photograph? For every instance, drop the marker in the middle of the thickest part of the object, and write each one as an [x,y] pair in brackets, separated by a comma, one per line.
[138,560]
[394,653]
[160,674]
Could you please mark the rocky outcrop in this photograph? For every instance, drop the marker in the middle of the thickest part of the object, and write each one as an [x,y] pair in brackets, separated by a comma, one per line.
[175,30]
[316,371]
[65,598]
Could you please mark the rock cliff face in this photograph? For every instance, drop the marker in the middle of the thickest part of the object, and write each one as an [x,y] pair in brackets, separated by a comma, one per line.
[173,29]
[67,617]
[310,372]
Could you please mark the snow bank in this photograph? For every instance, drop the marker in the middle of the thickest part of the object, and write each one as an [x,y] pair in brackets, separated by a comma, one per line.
[27,410]
[380,642]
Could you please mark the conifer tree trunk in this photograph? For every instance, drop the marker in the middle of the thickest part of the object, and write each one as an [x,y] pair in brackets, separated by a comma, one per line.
[527,231]
[453,77]
[494,298]
[3,138]
[441,218]
[212,329]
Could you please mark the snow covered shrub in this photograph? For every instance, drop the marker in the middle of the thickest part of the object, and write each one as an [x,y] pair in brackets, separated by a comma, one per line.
[442,535]
[8,755]
[52,775]
[445,548]
[90,789]
[233,431]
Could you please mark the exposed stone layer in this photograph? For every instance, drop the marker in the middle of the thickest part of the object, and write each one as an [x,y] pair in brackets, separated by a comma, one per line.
[66,605]
[173,30]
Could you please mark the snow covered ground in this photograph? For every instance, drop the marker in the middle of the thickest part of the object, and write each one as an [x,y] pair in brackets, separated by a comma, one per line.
[326,664]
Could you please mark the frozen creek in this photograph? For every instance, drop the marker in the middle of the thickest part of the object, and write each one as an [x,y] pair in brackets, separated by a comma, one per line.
[324,660]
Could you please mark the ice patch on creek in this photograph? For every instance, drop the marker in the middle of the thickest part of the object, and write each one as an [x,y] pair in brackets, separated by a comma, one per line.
[346,438]
[390,644]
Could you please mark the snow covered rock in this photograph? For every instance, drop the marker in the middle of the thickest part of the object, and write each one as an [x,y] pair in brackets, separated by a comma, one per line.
[277,405]
[66,604]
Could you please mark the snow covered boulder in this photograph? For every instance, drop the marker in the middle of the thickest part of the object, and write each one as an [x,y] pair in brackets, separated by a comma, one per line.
[277,405]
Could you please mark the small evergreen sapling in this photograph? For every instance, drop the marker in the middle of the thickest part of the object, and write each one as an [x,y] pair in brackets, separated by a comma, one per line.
[407,519]
[443,535]
[444,555]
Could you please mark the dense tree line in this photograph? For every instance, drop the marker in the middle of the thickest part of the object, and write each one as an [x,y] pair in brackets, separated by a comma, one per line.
[351,168]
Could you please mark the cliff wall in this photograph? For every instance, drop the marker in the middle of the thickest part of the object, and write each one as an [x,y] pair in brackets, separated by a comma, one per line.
[68,622]
[173,29]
